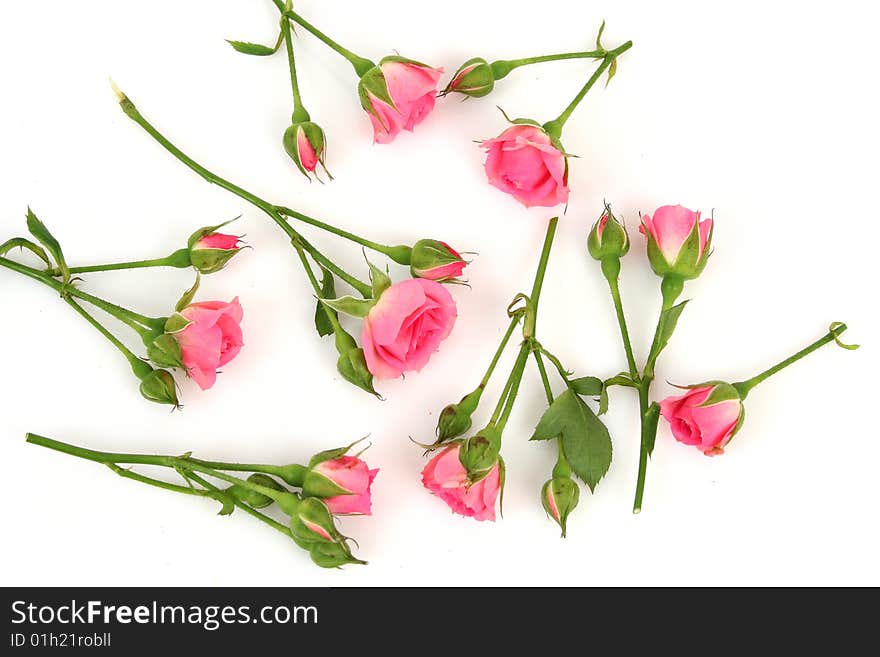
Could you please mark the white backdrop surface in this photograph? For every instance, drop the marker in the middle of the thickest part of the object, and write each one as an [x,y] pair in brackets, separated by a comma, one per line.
[764,112]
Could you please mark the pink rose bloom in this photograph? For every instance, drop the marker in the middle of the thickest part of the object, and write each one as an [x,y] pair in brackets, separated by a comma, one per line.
[524,162]
[406,326]
[697,420]
[217,241]
[670,227]
[412,87]
[446,477]
[211,339]
[353,475]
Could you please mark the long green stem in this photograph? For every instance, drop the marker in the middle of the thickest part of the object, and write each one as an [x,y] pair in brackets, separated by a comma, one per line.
[400,254]
[612,276]
[502,67]
[262,517]
[554,128]
[284,471]
[133,360]
[514,381]
[132,112]
[488,375]
[361,65]
[744,387]
[545,380]
[299,111]
[158,483]
[644,396]
[179,259]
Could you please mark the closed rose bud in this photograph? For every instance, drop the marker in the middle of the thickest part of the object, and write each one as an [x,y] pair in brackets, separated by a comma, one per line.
[528,164]
[397,95]
[456,419]
[312,522]
[344,483]
[254,498]
[608,238]
[436,261]
[446,477]
[559,497]
[209,251]
[474,78]
[479,454]
[707,416]
[332,555]
[158,386]
[406,326]
[678,242]
[209,335]
[306,144]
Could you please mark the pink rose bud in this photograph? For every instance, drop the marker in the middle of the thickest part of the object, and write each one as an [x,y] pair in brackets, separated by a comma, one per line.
[158,386]
[608,238]
[474,78]
[706,416]
[398,94]
[559,497]
[209,251]
[209,336]
[306,144]
[436,261]
[311,522]
[528,164]
[406,326]
[344,483]
[678,242]
[447,478]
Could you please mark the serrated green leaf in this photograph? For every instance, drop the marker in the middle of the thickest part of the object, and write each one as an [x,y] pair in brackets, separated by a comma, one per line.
[652,417]
[189,295]
[22,243]
[38,229]
[587,386]
[585,439]
[257,49]
[328,291]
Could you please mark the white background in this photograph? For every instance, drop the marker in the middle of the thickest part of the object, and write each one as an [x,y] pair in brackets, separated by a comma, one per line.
[764,112]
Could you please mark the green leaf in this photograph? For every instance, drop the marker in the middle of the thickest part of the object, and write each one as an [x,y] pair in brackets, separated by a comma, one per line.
[652,417]
[587,386]
[603,401]
[328,291]
[665,329]
[38,229]
[189,295]
[350,306]
[257,49]
[585,439]
[612,70]
[381,280]
[22,243]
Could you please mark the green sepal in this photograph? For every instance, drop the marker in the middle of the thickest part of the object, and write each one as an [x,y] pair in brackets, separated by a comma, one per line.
[176,323]
[566,494]
[206,230]
[380,280]
[652,417]
[22,243]
[158,386]
[480,80]
[164,350]
[189,295]
[330,454]
[38,229]
[313,510]
[352,366]
[323,323]
[456,419]
[317,485]
[479,454]
[721,392]
[350,305]
[585,439]
[372,83]
[332,555]
[257,49]
[210,261]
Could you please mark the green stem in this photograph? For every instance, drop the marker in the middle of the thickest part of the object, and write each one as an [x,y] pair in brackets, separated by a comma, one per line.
[513,322]
[532,310]
[136,363]
[513,384]
[644,395]
[361,65]
[612,277]
[283,471]
[542,370]
[331,316]
[363,288]
[132,112]
[179,259]
[158,483]
[299,111]
[557,364]
[554,128]
[502,67]
[262,517]
[744,387]
[400,254]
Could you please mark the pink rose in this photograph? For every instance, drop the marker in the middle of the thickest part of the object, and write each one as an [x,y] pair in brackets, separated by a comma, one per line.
[306,145]
[217,241]
[668,232]
[353,475]
[447,478]
[524,162]
[436,260]
[406,326]
[706,416]
[211,338]
[410,86]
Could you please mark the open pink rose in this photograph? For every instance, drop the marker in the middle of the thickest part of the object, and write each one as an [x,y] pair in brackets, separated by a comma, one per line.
[699,420]
[446,477]
[412,88]
[406,326]
[211,339]
[668,230]
[524,162]
[353,475]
